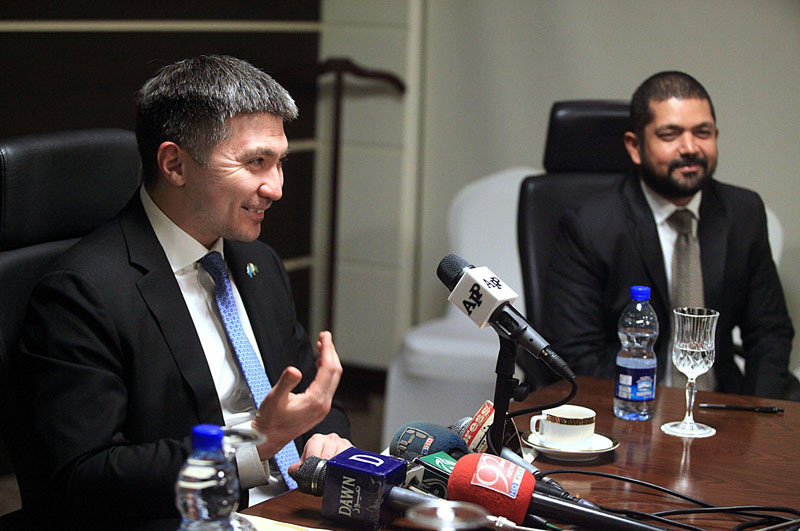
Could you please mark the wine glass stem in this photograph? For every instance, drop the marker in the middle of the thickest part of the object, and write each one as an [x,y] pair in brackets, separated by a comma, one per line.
[690,390]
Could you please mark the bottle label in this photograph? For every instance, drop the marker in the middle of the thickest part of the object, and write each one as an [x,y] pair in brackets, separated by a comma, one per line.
[636,385]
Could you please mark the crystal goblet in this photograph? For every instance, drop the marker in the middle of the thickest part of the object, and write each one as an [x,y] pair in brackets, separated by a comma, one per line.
[693,352]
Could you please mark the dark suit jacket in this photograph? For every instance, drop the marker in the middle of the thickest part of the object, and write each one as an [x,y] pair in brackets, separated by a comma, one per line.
[117,376]
[611,243]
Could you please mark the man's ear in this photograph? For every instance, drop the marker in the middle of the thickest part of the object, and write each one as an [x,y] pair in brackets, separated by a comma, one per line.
[170,158]
[632,145]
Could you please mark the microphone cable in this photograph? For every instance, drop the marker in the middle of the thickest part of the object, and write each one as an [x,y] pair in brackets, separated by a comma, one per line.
[534,409]
[510,415]
[704,507]
[739,510]
[791,525]
[557,403]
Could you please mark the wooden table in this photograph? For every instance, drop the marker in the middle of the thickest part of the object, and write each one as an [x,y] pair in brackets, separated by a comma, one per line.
[754,459]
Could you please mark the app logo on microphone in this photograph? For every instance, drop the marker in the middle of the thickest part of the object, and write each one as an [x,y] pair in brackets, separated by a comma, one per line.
[499,475]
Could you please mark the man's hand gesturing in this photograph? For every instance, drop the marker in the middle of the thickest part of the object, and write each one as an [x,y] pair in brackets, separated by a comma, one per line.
[284,415]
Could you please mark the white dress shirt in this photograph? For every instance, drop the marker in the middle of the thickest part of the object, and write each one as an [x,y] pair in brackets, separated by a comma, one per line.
[662,209]
[197,287]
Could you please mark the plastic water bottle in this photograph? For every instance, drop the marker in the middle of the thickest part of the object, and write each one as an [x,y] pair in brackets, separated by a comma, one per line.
[635,385]
[207,490]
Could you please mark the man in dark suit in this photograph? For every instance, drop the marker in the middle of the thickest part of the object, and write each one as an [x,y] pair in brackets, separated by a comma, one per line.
[623,238]
[124,348]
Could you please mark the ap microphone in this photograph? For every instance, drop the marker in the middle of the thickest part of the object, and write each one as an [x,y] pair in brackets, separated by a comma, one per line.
[358,487]
[485,299]
[423,438]
[505,489]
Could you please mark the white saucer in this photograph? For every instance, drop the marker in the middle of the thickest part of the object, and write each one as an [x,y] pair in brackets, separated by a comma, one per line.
[599,444]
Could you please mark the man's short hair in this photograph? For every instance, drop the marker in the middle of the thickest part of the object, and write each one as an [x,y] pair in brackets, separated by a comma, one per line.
[189,103]
[661,87]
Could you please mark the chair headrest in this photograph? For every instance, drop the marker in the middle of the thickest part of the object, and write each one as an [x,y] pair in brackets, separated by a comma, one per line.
[62,185]
[586,136]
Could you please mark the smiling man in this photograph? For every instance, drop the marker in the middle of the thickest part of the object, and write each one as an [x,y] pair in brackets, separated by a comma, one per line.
[158,321]
[628,236]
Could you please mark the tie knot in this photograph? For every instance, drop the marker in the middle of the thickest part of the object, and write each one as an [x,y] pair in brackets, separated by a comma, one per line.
[215,265]
[681,221]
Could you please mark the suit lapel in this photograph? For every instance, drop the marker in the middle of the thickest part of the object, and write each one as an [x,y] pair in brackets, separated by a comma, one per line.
[163,297]
[643,227]
[712,233]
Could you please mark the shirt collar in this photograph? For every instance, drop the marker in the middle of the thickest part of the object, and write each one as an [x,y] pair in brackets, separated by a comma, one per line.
[663,208]
[181,249]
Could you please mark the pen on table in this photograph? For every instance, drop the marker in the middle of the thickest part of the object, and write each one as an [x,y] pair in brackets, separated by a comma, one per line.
[757,409]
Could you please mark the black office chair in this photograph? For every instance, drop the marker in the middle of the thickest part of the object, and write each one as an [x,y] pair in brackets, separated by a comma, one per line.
[584,155]
[54,188]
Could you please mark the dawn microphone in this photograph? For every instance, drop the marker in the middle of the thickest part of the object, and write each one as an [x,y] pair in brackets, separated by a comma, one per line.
[358,487]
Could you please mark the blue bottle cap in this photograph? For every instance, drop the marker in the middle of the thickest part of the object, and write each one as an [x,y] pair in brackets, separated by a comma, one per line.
[207,437]
[640,293]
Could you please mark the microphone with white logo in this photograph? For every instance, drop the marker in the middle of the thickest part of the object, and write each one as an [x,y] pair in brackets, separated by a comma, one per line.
[423,438]
[474,431]
[485,299]
[358,487]
[507,490]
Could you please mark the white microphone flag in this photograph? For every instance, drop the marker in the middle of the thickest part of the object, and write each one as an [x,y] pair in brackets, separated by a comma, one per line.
[479,293]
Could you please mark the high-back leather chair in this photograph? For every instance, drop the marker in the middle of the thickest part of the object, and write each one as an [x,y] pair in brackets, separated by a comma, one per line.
[54,188]
[584,155]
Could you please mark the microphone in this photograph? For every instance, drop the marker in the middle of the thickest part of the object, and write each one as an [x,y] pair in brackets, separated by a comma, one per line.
[358,487]
[433,475]
[485,299]
[423,438]
[416,440]
[474,432]
[505,489]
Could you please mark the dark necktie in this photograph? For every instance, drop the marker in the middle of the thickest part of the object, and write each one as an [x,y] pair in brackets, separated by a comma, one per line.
[687,282]
[253,372]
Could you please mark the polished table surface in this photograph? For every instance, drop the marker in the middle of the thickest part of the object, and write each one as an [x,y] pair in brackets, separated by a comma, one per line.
[754,458]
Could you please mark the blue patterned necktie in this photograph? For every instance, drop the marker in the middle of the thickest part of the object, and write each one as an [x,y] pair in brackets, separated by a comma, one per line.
[255,375]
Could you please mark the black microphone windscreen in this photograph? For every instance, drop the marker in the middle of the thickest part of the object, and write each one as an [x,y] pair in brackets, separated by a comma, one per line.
[451,269]
[311,476]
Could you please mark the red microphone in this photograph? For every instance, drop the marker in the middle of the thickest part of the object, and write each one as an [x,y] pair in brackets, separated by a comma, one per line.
[499,486]
[505,489]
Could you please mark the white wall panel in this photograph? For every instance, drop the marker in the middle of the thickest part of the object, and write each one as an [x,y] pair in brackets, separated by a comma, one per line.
[377,176]
[369,214]
[367,299]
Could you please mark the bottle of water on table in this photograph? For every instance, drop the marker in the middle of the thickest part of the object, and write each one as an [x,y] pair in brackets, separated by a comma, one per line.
[207,490]
[635,385]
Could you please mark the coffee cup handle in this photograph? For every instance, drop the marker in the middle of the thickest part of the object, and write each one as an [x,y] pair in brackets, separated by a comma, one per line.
[536,423]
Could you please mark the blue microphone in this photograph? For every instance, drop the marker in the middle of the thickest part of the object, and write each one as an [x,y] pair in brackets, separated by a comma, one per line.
[423,438]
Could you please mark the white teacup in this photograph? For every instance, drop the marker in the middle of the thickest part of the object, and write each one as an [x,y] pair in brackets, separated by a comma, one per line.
[564,426]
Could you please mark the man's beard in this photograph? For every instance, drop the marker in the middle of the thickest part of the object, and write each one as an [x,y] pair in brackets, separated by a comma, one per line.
[669,186]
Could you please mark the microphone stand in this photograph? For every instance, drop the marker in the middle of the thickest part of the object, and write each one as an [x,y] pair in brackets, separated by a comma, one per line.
[504,389]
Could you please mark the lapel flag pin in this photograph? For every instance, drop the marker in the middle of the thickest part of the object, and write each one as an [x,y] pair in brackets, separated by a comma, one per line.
[252,269]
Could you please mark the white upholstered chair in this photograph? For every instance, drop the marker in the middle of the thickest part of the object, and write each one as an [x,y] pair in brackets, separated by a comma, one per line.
[446,368]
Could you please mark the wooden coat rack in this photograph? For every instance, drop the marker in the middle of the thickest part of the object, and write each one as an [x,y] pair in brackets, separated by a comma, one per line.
[340,66]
